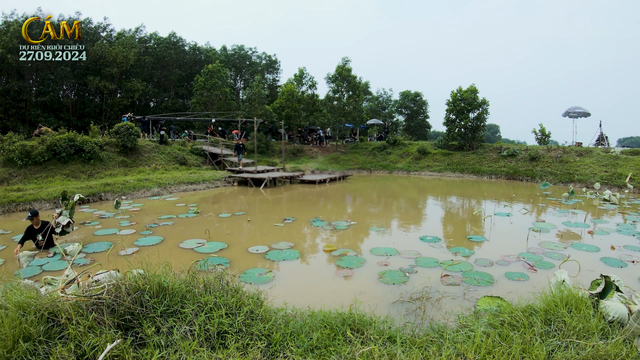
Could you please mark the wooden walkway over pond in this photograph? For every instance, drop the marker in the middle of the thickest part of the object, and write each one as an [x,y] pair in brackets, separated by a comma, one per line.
[266,178]
[319,178]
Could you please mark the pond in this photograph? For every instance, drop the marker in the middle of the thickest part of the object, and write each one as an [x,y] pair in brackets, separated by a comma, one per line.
[483,226]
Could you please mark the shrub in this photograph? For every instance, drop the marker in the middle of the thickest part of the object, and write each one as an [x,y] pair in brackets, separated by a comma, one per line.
[394,140]
[94,131]
[62,147]
[533,155]
[631,152]
[265,147]
[294,151]
[126,136]
[197,150]
[510,152]
[423,150]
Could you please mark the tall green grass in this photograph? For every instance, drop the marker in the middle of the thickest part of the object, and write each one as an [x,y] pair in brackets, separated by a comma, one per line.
[164,315]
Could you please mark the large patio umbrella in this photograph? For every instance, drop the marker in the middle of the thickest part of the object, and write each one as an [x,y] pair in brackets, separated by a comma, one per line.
[374,122]
[576,112]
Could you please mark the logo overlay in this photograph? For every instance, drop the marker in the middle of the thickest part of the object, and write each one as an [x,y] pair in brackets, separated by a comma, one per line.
[56,52]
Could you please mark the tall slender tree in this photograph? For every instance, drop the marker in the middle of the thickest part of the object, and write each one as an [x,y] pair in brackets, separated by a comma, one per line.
[414,110]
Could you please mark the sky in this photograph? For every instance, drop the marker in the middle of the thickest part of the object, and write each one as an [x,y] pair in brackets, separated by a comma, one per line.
[532,60]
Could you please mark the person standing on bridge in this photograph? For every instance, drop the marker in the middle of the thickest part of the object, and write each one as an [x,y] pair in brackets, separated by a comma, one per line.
[240,150]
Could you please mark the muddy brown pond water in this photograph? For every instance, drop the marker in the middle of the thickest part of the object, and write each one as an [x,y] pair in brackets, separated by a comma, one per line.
[505,238]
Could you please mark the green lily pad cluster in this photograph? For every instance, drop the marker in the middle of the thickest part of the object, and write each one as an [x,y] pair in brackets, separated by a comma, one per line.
[383,251]
[210,247]
[257,276]
[283,255]
[148,241]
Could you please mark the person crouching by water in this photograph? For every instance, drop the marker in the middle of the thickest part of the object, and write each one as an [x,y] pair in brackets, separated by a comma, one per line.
[240,150]
[40,232]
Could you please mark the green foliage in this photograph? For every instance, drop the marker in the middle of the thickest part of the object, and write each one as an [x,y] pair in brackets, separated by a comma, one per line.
[94,131]
[414,110]
[631,152]
[62,147]
[197,150]
[213,90]
[126,136]
[492,134]
[434,135]
[542,135]
[533,154]
[393,140]
[510,152]
[514,142]
[265,146]
[298,104]
[346,96]
[423,150]
[629,141]
[466,117]
[382,106]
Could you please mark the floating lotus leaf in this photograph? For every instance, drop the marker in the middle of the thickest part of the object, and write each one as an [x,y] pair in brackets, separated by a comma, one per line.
[182,216]
[607,229]
[437,245]
[341,223]
[451,280]
[558,214]
[212,263]
[125,224]
[539,230]
[530,257]
[341,252]
[585,247]
[29,271]
[383,251]
[225,215]
[546,192]
[152,225]
[544,185]
[1,261]
[351,262]
[166,223]
[17,237]
[544,265]
[555,255]
[154,198]
[165,196]
[631,247]
[409,254]
[483,262]
[181,205]
[148,241]
[257,276]
[280,224]
[393,277]
[282,255]
[430,239]
[123,217]
[46,260]
[427,262]
[341,227]
[82,262]
[92,223]
[146,232]
[544,225]
[192,243]
[211,247]
[128,251]
[456,265]
[613,262]
[172,198]
[383,263]
[461,251]
[282,245]
[502,214]
[629,258]
[259,249]
[344,272]
[632,218]
[477,238]
[289,219]
[319,223]
[4,232]
[627,231]
[549,245]
[102,232]
[502,262]
[107,215]
[2,247]
[55,265]
[56,249]
[516,276]
[126,232]
[166,217]
[478,278]
[97,247]
[329,248]
[134,209]
[241,213]
[601,232]
[535,250]
[577,211]
[377,229]
[575,224]
[193,205]
[510,258]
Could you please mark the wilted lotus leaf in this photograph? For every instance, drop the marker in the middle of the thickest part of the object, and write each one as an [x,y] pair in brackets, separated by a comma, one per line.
[258,249]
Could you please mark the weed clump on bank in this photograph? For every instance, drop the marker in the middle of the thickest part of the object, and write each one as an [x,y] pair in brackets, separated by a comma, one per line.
[171,316]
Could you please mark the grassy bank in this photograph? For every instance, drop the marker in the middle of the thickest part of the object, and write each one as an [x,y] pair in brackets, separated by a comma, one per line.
[151,167]
[204,316]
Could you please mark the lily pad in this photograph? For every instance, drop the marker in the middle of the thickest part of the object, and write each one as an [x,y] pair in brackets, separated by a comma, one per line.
[351,262]
[55,265]
[344,272]
[257,276]
[172,198]
[17,237]
[599,221]
[182,216]
[282,255]
[536,250]
[601,232]
[427,262]
[166,217]
[510,258]
[258,249]
[456,265]
[544,265]
[2,247]
[430,239]
[166,223]
[1,261]
[103,232]
[282,245]
[4,232]
[211,247]
[97,247]
[128,251]
[377,229]
[341,252]
[613,262]
[550,245]
[239,213]
[516,276]
[630,258]
[319,223]
[530,257]
[146,232]
[502,262]
[340,227]
[82,261]
[211,263]
[180,205]
[341,223]
[45,260]
[502,214]
[92,223]
[383,251]
[409,254]
[393,277]
[224,215]
[148,241]
[451,280]
[575,224]
[555,255]
[627,231]
[478,278]
[123,217]
[585,247]
[329,248]
[544,225]
[192,243]
[126,232]
[477,238]
[461,251]
[483,262]
[631,247]
[29,271]
[544,185]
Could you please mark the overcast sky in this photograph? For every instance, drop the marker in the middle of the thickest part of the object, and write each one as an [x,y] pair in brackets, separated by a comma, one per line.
[532,60]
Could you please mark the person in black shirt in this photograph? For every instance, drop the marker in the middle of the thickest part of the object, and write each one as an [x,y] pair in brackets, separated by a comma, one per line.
[173,132]
[40,232]
[240,150]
